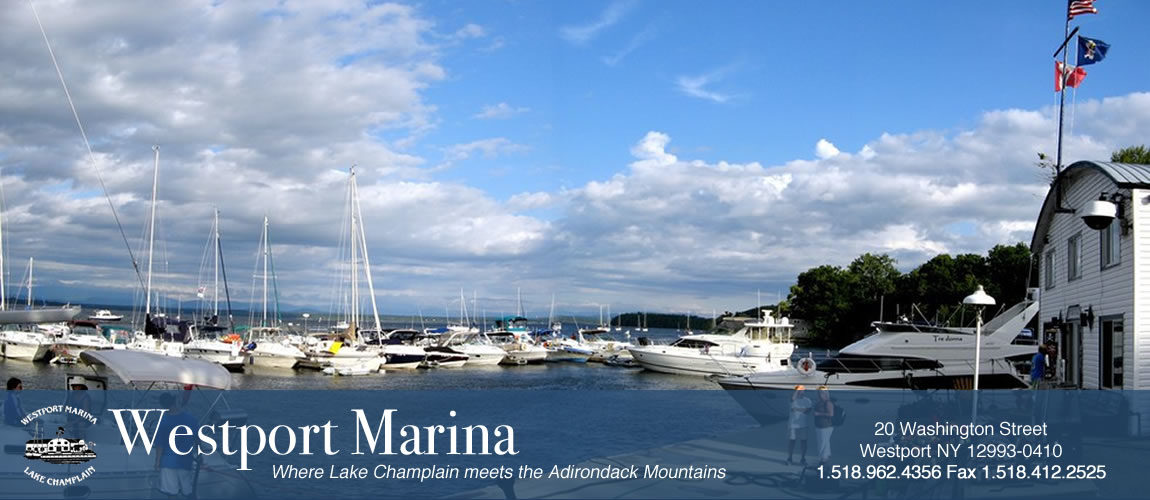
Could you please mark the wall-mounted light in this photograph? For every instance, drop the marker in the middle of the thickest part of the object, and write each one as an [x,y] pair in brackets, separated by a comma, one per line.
[1086,318]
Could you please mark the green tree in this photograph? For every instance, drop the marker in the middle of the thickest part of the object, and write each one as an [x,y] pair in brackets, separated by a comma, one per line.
[1010,271]
[820,296]
[1131,154]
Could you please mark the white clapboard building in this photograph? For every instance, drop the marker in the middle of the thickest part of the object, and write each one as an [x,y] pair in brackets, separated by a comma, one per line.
[1092,243]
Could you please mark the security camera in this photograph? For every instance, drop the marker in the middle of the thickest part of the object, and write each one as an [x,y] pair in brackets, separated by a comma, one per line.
[1099,214]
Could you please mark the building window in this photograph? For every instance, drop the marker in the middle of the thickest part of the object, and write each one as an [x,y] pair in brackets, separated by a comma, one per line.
[1111,245]
[1049,271]
[1073,258]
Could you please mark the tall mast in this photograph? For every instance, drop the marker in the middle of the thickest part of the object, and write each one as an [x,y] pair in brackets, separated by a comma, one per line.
[264,322]
[216,274]
[366,258]
[354,257]
[152,228]
[518,302]
[31,261]
[3,287]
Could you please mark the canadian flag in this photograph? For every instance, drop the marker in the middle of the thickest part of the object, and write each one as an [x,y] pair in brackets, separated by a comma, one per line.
[1065,74]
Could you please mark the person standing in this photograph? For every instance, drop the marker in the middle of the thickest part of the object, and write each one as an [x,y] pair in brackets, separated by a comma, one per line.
[1038,367]
[176,475]
[13,410]
[824,423]
[798,426]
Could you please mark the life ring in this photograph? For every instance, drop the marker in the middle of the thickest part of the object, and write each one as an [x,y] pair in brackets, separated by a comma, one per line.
[806,366]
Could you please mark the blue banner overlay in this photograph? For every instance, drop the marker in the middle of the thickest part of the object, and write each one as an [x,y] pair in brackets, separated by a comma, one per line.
[576,444]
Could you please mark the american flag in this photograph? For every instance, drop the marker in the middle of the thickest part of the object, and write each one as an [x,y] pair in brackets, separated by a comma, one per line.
[1079,7]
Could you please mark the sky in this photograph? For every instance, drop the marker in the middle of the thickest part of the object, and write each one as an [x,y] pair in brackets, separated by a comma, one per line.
[667,156]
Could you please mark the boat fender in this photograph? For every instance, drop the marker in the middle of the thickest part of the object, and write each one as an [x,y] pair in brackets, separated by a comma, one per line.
[806,366]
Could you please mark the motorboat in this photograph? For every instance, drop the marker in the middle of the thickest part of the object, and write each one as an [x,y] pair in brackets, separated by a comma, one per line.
[105,315]
[123,474]
[479,350]
[266,349]
[82,336]
[404,345]
[518,348]
[24,344]
[758,346]
[907,355]
[340,351]
[396,348]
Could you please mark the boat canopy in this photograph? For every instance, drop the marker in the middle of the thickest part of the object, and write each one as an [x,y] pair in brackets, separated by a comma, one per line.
[134,367]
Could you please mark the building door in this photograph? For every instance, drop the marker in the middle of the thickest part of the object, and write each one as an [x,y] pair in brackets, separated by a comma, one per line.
[1070,354]
[1111,349]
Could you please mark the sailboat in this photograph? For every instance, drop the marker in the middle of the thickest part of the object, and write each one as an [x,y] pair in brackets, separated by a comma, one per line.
[346,352]
[264,348]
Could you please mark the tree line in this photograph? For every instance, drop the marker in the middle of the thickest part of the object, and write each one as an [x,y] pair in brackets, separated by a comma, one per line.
[840,303]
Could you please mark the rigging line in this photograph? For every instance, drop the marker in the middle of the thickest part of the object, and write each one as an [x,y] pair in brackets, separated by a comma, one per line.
[88,145]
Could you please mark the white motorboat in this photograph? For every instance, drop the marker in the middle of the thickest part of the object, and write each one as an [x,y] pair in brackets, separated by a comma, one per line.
[82,336]
[759,346]
[105,315]
[916,356]
[268,353]
[479,354]
[518,348]
[226,354]
[24,344]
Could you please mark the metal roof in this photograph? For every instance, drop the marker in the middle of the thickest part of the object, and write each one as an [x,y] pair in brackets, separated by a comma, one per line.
[1125,175]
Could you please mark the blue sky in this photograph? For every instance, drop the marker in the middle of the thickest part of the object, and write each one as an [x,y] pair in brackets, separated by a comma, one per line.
[794,72]
[666,155]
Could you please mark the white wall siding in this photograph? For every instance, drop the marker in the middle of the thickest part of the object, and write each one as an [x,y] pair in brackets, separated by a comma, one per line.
[1139,331]
[1108,292]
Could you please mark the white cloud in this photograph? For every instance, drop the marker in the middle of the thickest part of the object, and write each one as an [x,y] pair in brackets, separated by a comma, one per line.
[697,85]
[470,30]
[501,110]
[824,149]
[638,40]
[489,148]
[582,34]
[530,201]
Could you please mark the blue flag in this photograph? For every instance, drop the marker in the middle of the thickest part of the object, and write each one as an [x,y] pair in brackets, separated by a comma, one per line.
[1091,51]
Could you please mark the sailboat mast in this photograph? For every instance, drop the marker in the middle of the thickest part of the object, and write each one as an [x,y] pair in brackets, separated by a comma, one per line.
[216,273]
[31,261]
[354,257]
[264,322]
[366,258]
[3,286]
[152,227]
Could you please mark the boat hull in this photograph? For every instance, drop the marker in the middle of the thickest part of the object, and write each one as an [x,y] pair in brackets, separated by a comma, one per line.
[523,357]
[680,361]
[24,351]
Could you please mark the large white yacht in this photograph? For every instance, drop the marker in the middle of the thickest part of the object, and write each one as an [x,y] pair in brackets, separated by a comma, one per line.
[759,346]
[913,356]
[27,345]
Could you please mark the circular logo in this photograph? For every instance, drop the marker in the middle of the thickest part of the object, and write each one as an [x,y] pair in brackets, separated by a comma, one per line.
[68,447]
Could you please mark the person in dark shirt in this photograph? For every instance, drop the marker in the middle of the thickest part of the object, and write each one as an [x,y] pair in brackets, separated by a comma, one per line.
[13,410]
[176,475]
[1038,367]
[824,423]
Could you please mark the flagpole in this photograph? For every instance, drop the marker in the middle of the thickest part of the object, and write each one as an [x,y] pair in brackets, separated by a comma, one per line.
[1062,102]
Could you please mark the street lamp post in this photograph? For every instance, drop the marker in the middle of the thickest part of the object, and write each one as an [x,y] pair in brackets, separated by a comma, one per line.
[305,317]
[979,299]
